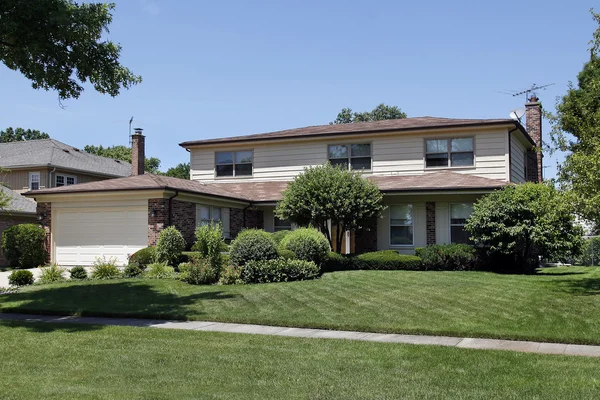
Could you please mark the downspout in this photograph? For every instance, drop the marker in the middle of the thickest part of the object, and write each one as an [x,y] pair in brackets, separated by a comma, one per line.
[50,177]
[171,208]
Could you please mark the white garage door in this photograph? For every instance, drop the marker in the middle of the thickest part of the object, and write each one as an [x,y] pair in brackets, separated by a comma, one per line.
[83,234]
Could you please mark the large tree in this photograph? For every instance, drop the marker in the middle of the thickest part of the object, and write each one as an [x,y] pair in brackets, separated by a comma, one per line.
[58,45]
[576,130]
[381,112]
[20,134]
[181,170]
[326,193]
[123,153]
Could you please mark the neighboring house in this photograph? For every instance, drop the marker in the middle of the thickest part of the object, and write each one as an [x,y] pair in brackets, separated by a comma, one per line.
[48,163]
[19,210]
[430,169]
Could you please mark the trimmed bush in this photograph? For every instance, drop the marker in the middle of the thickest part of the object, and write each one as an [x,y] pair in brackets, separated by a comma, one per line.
[159,271]
[132,270]
[105,269]
[388,260]
[287,254]
[143,257]
[199,273]
[51,273]
[20,278]
[252,245]
[308,244]
[338,262]
[279,235]
[209,239]
[231,275]
[24,245]
[448,257]
[278,270]
[169,246]
[78,273]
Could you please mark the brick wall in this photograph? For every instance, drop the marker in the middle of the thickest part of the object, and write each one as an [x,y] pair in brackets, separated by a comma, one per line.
[365,239]
[184,219]
[7,221]
[254,219]
[533,121]
[430,221]
[160,220]
[44,213]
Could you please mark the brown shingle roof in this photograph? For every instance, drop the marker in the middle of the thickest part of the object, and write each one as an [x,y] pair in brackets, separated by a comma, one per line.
[405,124]
[272,191]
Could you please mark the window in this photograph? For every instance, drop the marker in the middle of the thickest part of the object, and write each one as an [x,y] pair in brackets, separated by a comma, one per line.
[62,180]
[352,156]
[456,152]
[234,163]
[458,218]
[281,224]
[34,180]
[208,215]
[401,225]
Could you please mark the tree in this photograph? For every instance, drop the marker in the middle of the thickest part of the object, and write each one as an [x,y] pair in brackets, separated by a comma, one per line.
[381,112]
[20,134]
[520,221]
[123,153]
[58,45]
[181,171]
[326,193]
[576,130]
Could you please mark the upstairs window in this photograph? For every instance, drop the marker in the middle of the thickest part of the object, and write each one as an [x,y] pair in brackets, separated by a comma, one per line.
[65,180]
[352,156]
[34,180]
[401,225]
[459,213]
[234,163]
[455,152]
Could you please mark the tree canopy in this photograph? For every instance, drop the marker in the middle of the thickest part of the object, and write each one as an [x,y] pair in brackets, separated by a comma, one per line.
[20,134]
[576,130]
[181,170]
[326,193]
[381,112]
[122,153]
[58,45]
[521,220]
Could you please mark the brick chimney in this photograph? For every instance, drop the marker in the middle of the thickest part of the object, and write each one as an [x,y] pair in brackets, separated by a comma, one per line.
[138,152]
[533,124]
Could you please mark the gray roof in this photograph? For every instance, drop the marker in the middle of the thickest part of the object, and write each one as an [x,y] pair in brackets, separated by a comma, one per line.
[17,203]
[52,153]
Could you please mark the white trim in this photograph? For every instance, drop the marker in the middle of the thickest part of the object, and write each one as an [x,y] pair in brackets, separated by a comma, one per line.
[349,157]
[39,182]
[412,216]
[450,224]
[65,177]
[449,153]
[233,175]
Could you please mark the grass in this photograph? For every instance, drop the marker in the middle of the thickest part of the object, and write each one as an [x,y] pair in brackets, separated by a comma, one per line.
[59,361]
[4,268]
[558,305]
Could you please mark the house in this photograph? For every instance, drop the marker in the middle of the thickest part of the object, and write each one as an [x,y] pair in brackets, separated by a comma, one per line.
[431,170]
[48,163]
[18,210]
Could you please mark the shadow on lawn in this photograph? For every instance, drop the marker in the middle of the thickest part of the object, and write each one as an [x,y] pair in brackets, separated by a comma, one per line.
[110,299]
[582,287]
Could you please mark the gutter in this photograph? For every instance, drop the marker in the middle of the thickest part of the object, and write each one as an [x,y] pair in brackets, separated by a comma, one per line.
[50,177]
[171,208]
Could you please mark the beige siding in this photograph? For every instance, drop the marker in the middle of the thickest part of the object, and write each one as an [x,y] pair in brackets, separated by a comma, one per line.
[517,159]
[18,180]
[399,154]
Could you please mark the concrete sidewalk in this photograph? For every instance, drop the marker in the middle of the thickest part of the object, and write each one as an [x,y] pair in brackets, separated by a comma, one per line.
[466,343]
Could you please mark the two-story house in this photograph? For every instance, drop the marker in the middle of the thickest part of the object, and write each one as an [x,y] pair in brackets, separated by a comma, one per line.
[431,171]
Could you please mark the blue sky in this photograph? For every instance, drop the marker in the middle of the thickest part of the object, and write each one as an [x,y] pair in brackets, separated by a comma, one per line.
[225,68]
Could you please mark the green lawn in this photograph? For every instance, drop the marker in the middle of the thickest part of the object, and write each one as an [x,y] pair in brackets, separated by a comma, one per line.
[559,305]
[57,361]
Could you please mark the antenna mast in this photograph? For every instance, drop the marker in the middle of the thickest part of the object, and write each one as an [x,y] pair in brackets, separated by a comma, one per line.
[531,90]
[130,122]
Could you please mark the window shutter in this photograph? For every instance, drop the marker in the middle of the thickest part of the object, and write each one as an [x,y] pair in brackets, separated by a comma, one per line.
[225,222]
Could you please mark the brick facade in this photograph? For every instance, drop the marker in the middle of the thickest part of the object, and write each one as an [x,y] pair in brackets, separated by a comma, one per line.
[158,218]
[237,222]
[430,221]
[44,214]
[365,239]
[138,152]
[184,219]
[533,115]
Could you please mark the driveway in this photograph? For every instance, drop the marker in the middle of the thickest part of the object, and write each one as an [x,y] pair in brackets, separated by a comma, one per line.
[35,271]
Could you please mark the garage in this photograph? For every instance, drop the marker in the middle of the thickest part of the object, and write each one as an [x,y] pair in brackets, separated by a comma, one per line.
[82,234]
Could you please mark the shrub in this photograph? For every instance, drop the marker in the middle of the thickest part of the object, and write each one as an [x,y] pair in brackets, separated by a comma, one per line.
[20,278]
[252,245]
[387,260]
[308,244]
[24,245]
[199,273]
[143,257]
[78,273]
[591,252]
[448,257]
[51,273]
[132,270]
[105,269]
[169,246]
[279,235]
[231,275]
[338,262]
[159,271]
[278,270]
[287,254]
[210,244]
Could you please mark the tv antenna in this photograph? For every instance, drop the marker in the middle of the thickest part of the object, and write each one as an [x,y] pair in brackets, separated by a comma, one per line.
[528,92]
